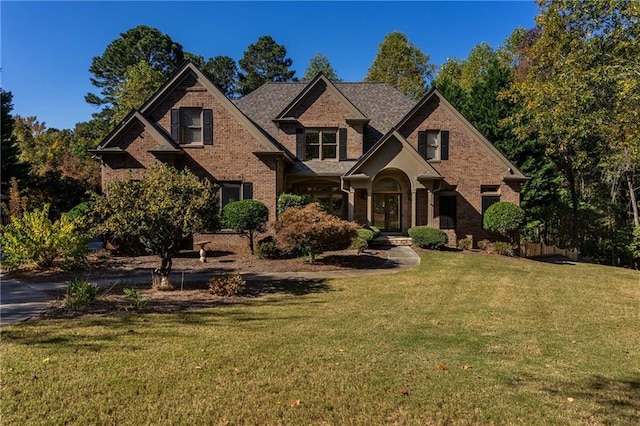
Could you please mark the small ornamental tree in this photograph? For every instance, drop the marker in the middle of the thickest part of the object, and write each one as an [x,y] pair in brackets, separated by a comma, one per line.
[159,211]
[313,230]
[246,217]
[504,217]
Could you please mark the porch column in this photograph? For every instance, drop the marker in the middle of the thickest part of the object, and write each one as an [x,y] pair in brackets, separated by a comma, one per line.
[352,203]
[430,212]
[413,207]
[369,205]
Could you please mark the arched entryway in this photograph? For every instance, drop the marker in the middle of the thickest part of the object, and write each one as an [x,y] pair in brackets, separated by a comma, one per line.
[387,204]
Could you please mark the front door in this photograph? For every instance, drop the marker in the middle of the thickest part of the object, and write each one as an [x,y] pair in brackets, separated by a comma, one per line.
[386,212]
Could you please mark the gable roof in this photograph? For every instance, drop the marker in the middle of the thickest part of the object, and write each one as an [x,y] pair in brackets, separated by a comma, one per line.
[427,171]
[165,143]
[511,171]
[319,81]
[381,103]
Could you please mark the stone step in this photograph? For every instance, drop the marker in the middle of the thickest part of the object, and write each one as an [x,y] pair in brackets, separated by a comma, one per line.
[392,240]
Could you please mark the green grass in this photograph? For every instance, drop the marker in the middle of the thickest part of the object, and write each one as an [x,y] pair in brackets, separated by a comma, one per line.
[547,344]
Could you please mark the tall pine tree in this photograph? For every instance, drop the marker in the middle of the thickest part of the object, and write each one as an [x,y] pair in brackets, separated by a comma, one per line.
[264,61]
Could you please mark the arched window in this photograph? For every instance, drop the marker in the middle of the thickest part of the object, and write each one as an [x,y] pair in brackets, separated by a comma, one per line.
[387,185]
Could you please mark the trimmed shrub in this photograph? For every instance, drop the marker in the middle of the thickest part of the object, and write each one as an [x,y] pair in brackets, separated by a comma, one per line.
[465,243]
[227,285]
[427,237]
[376,231]
[359,244]
[80,293]
[504,217]
[246,217]
[310,229]
[34,239]
[365,234]
[267,248]
[287,201]
[502,248]
[485,245]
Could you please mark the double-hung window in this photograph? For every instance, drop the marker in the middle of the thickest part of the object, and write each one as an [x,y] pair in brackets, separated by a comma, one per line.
[321,144]
[433,144]
[191,125]
[235,191]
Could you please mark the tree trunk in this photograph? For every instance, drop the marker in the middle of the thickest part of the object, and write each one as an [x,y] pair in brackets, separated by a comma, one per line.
[163,274]
[632,197]
[251,241]
[574,205]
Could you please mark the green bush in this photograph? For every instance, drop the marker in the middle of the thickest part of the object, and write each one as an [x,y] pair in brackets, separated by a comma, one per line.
[135,298]
[227,285]
[34,239]
[246,217]
[504,217]
[286,201]
[358,243]
[375,230]
[465,243]
[502,248]
[266,248]
[80,293]
[365,234]
[427,237]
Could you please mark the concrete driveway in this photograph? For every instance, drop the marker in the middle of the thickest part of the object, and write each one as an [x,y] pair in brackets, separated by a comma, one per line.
[19,301]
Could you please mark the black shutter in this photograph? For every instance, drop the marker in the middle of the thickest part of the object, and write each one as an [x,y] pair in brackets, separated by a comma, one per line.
[207,127]
[422,143]
[175,125]
[300,144]
[444,145]
[247,191]
[342,144]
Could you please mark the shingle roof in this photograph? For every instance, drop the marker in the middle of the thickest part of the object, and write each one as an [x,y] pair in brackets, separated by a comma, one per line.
[381,103]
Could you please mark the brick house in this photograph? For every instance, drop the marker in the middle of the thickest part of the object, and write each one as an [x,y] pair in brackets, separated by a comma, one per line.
[363,149]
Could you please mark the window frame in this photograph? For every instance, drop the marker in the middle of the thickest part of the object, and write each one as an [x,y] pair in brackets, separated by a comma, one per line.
[184,126]
[321,143]
[436,147]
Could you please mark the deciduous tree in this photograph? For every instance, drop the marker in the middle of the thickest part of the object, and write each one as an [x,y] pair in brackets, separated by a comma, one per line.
[160,210]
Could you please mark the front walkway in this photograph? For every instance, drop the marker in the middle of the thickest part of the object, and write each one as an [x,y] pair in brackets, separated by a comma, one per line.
[20,301]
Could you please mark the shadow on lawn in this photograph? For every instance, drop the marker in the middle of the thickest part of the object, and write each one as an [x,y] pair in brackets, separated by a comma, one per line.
[618,398]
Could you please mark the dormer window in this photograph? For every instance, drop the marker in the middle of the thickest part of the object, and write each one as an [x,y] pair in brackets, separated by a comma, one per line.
[321,144]
[192,126]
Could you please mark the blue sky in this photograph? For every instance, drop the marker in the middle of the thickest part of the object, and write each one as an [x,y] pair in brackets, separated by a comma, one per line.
[46,47]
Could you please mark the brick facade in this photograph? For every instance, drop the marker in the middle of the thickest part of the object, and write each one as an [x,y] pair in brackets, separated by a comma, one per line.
[237,138]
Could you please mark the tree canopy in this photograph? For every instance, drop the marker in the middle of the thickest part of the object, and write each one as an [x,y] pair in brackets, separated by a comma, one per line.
[159,210]
[263,61]
[141,43]
[401,64]
[320,64]
[12,167]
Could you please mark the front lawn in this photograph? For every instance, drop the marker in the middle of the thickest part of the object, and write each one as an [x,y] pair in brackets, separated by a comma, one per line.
[462,339]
